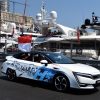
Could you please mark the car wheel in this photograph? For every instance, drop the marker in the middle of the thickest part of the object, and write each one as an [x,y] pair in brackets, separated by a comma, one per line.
[61,83]
[11,74]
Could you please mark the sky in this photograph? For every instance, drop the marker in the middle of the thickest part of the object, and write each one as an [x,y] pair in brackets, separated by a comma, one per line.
[71,13]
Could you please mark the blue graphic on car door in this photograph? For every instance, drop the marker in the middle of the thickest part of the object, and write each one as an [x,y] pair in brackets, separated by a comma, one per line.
[44,74]
[41,73]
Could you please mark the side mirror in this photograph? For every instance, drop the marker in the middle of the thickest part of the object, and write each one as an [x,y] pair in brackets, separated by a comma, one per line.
[45,62]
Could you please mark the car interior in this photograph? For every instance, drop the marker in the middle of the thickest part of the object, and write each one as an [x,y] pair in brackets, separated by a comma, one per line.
[32,57]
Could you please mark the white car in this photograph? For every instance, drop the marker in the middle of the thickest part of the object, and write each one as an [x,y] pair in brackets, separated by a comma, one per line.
[54,68]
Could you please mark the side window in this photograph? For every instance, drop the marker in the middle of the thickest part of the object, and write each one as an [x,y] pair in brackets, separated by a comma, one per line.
[38,58]
[49,61]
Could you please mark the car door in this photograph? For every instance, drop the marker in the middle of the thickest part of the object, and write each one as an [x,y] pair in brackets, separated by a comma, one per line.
[43,72]
[31,68]
[25,66]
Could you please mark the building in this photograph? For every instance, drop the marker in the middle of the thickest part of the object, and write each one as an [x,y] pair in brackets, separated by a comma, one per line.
[4,5]
[18,19]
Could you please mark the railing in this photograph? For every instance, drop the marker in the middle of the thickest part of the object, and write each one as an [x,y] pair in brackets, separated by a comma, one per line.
[94,63]
[4,36]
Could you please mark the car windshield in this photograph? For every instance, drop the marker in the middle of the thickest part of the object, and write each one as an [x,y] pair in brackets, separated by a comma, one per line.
[59,58]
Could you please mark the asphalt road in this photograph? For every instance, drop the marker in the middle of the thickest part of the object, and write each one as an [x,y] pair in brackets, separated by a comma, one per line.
[24,89]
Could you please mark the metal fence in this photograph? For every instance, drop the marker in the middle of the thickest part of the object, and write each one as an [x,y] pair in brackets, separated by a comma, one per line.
[94,63]
[2,56]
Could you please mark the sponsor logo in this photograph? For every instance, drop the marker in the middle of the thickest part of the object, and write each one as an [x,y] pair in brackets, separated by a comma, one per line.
[30,68]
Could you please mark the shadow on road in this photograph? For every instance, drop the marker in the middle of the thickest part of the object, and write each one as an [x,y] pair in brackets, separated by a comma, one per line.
[82,92]
[50,87]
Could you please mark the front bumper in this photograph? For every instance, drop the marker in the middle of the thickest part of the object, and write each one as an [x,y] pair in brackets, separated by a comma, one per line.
[86,81]
[97,83]
[89,86]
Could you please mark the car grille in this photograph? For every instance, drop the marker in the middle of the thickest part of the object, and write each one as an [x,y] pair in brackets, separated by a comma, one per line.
[96,76]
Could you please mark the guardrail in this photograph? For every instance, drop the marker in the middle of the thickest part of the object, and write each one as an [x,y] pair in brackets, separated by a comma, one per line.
[94,63]
[2,56]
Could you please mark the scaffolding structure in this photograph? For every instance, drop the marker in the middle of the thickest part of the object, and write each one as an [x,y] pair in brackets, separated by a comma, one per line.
[11,16]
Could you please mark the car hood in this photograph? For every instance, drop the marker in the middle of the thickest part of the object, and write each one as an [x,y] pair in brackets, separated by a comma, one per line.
[82,68]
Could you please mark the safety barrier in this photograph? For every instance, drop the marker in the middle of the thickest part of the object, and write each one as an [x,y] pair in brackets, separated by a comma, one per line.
[94,63]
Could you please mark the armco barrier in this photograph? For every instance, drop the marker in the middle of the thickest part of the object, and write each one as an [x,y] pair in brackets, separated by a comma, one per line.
[2,56]
[94,63]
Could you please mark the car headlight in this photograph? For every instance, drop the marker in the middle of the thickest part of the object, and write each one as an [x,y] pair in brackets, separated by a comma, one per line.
[76,74]
[84,79]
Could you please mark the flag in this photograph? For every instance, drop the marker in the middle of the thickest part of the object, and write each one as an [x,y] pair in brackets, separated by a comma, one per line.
[78,34]
[24,43]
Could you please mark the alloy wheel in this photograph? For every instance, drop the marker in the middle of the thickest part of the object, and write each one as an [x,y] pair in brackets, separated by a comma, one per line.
[61,83]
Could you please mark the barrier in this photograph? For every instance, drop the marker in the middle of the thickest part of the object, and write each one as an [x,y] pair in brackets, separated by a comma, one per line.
[94,63]
[2,56]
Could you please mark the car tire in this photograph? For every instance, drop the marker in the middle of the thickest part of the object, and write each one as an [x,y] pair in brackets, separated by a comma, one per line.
[61,83]
[11,74]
